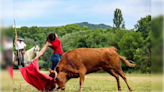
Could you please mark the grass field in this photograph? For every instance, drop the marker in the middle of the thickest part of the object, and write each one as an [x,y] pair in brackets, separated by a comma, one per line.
[94,82]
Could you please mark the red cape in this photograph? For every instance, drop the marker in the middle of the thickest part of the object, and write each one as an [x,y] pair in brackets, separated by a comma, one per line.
[32,75]
[10,70]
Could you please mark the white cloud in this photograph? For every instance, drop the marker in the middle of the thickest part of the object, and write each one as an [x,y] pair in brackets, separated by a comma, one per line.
[35,8]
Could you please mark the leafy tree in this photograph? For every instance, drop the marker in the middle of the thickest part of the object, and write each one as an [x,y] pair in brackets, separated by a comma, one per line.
[157,44]
[129,43]
[72,28]
[142,56]
[116,37]
[47,58]
[23,29]
[109,30]
[118,19]
[69,41]
[41,64]
[144,26]
[78,42]
[30,41]
[123,25]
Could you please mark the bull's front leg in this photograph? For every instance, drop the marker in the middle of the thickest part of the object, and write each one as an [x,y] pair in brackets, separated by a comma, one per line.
[82,75]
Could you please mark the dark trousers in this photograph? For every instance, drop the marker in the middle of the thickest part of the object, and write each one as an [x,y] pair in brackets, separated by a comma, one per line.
[55,58]
[21,57]
[8,56]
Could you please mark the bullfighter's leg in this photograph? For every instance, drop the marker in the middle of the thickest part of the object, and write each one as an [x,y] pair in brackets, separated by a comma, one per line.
[22,62]
[112,72]
[120,72]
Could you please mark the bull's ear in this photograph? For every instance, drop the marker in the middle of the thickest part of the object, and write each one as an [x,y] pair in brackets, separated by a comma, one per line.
[50,70]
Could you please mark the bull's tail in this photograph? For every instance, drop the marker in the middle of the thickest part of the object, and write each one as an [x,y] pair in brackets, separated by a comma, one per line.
[126,61]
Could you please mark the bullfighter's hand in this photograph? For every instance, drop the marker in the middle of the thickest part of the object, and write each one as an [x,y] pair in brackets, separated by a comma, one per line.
[56,89]
[32,60]
[23,51]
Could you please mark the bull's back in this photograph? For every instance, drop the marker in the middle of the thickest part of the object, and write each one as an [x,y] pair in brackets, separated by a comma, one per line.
[90,57]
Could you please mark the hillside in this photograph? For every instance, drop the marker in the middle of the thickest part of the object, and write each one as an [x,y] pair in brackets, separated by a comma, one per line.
[93,26]
[89,25]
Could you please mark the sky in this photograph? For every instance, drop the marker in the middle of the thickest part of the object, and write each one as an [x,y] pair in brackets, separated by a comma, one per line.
[63,12]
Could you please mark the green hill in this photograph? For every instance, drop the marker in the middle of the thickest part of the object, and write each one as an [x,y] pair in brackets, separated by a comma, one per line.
[89,25]
[93,26]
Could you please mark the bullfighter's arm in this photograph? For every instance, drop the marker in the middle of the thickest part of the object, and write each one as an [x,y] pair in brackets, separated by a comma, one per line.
[15,41]
[43,50]
[24,49]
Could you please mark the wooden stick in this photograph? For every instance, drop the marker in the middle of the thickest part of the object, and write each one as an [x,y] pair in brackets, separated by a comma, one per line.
[16,39]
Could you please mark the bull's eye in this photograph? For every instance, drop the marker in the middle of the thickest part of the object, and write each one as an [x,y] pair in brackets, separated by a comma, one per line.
[57,78]
[57,69]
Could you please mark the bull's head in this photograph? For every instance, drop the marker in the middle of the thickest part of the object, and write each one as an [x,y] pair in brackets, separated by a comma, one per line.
[65,70]
[61,78]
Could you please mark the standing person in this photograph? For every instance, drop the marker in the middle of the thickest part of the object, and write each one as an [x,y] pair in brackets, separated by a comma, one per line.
[21,46]
[8,50]
[7,43]
[54,43]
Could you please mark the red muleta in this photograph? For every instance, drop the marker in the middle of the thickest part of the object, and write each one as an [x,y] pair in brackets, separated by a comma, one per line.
[32,75]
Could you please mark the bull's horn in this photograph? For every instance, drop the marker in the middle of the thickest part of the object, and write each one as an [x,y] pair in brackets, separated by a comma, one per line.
[55,74]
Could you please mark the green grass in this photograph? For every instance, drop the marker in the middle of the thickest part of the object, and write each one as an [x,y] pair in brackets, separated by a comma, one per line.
[94,82]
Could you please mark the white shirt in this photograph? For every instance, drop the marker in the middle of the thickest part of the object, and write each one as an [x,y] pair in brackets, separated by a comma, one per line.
[20,45]
[8,45]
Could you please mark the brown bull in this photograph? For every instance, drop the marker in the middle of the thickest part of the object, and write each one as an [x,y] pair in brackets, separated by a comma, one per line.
[79,62]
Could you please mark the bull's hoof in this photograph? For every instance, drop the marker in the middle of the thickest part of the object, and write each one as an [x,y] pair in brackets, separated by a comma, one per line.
[119,89]
[63,89]
[130,89]
[80,90]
